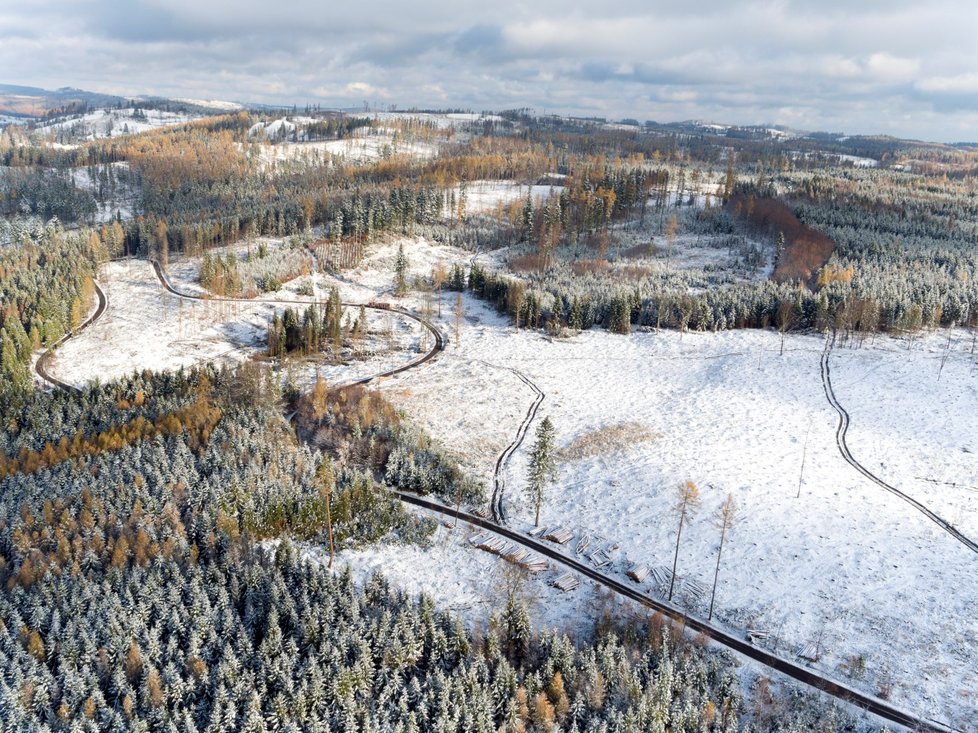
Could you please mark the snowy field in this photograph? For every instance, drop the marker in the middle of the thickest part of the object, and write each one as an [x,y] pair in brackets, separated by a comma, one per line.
[820,556]
[357,150]
[486,196]
[146,327]
[845,564]
[115,122]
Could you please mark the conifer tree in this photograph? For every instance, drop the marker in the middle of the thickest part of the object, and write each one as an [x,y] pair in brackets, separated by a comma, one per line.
[543,466]
[400,272]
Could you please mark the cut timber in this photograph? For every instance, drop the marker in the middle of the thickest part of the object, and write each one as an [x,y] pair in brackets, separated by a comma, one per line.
[694,590]
[537,531]
[560,535]
[756,635]
[566,582]
[535,564]
[662,576]
[639,572]
[809,652]
[582,544]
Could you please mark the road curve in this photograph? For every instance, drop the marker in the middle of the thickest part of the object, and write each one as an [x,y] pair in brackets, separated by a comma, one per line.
[871,704]
[41,367]
[439,339]
[840,441]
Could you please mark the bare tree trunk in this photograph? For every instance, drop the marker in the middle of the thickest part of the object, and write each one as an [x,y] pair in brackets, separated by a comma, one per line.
[675,558]
[716,573]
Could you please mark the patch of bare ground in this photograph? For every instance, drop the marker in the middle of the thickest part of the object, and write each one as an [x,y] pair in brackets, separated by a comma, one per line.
[607,439]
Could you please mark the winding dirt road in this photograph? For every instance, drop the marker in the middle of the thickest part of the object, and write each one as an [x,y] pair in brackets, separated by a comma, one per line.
[496,506]
[832,687]
[840,440]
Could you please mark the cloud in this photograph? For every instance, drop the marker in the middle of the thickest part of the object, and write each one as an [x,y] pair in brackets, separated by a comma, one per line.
[892,68]
[896,66]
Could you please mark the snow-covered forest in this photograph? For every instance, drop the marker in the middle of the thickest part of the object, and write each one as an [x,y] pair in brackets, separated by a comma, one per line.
[170,511]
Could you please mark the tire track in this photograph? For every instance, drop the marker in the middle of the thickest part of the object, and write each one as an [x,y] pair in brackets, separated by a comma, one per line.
[41,366]
[439,340]
[840,440]
[836,689]
[496,506]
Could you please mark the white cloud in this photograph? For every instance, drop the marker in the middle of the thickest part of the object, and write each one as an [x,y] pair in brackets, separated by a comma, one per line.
[892,68]
[829,65]
[958,84]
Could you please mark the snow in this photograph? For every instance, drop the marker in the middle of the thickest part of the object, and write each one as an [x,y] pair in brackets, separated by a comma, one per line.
[146,327]
[213,104]
[357,149]
[846,559]
[486,196]
[114,122]
[440,120]
[818,551]
[108,209]
[466,580]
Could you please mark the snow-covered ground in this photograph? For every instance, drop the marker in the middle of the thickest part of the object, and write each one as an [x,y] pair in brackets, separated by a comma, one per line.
[146,327]
[441,120]
[358,149]
[121,204]
[845,563]
[819,552]
[115,122]
[486,196]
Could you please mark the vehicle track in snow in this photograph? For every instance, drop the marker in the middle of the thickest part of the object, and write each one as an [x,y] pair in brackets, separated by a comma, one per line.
[438,338]
[496,507]
[861,700]
[841,432]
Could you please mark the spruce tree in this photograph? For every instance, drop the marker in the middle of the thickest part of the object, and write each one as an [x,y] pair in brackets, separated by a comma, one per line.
[543,465]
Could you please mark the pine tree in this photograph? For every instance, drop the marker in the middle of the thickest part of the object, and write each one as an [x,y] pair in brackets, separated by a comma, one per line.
[543,465]
[400,272]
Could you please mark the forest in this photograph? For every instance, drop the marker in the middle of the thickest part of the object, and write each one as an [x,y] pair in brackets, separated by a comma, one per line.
[155,530]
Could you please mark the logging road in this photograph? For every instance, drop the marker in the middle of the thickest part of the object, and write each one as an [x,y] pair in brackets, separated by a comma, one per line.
[874,705]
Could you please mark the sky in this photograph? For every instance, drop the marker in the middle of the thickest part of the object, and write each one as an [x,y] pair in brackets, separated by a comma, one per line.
[856,66]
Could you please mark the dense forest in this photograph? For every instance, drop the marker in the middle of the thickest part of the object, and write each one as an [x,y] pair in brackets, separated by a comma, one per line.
[150,585]
[162,537]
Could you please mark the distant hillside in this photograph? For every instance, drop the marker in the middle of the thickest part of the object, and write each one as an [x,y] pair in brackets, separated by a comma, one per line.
[21,101]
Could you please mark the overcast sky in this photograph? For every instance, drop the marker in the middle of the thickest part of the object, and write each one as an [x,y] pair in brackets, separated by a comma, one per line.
[859,66]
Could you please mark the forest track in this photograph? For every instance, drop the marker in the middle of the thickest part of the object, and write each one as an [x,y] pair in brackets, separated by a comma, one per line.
[439,339]
[496,506]
[861,700]
[41,366]
[841,432]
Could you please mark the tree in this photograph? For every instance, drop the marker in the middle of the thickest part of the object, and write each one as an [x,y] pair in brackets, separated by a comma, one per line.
[672,227]
[723,519]
[459,313]
[326,478]
[687,504]
[543,466]
[400,272]
[786,319]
